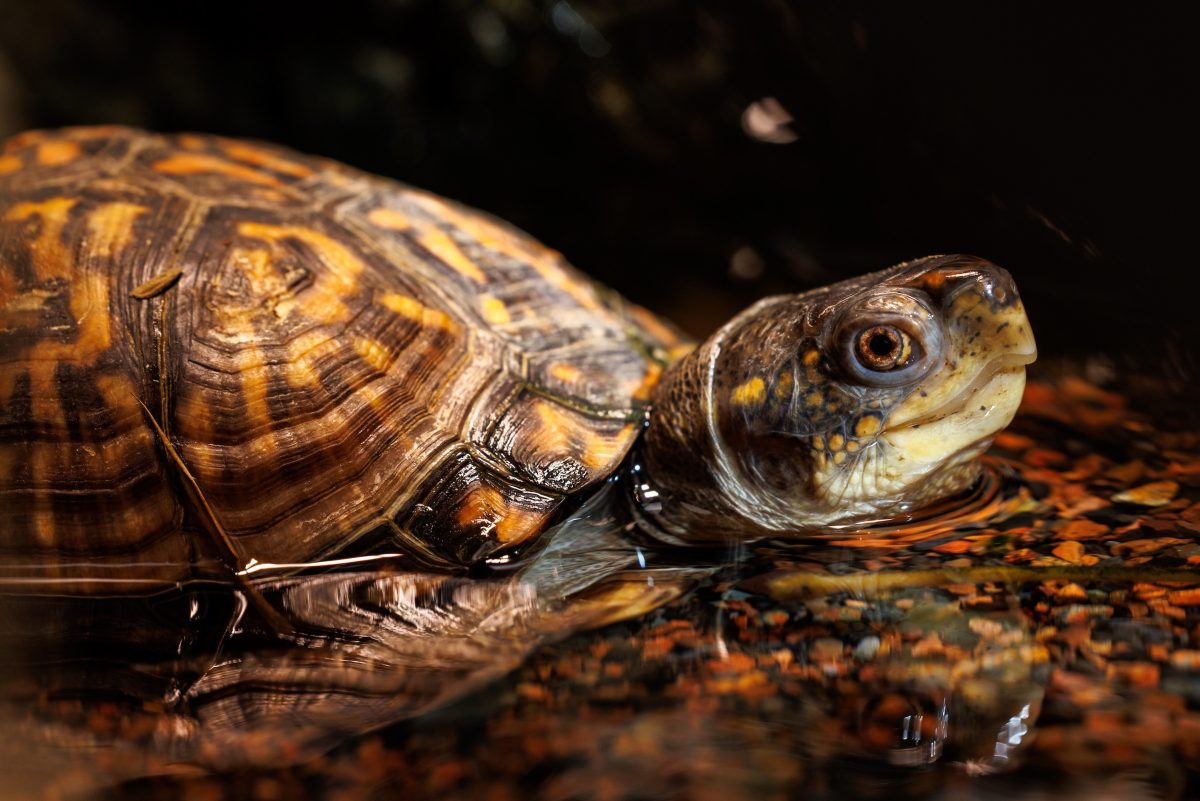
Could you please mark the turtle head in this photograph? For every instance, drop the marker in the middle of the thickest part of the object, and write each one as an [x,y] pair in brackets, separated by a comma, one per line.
[851,403]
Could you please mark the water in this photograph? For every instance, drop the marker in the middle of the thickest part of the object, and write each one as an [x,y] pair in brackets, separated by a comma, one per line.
[1038,639]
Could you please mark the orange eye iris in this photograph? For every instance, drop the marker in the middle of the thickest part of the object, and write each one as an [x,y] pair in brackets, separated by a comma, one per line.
[883,347]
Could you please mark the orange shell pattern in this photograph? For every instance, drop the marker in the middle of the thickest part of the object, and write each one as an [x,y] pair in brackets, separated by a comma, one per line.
[207,336]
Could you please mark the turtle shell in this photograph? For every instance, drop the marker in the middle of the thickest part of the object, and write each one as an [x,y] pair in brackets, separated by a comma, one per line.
[205,340]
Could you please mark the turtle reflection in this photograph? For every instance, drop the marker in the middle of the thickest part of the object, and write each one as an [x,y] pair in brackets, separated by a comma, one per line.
[1042,640]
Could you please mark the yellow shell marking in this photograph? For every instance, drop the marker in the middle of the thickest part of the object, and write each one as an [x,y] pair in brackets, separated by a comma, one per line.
[439,243]
[430,237]
[303,353]
[412,309]
[749,393]
[111,226]
[837,442]
[677,352]
[57,152]
[543,260]
[324,300]
[199,163]
[488,506]
[567,373]
[89,297]
[389,219]
[494,310]
[373,353]
[50,257]
[262,158]
[192,142]
[254,374]
[649,381]
[559,431]
[9,164]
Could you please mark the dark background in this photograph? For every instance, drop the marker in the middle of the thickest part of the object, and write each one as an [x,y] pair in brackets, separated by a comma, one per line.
[1054,142]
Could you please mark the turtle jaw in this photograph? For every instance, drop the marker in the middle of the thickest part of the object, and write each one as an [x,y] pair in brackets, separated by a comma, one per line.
[935,449]
[934,446]
[930,442]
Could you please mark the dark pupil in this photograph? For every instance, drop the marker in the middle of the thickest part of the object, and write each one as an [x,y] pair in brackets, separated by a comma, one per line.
[882,345]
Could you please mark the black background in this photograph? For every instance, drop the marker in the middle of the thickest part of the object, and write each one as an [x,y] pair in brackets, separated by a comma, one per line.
[1055,142]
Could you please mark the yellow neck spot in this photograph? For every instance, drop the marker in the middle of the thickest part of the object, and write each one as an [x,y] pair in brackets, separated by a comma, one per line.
[9,164]
[751,392]
[867,426]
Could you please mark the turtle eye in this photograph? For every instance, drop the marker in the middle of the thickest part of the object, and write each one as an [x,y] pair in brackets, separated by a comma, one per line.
[883,347]
[888,338]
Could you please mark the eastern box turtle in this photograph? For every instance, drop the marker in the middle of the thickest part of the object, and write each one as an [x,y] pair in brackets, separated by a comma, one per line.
[212,348]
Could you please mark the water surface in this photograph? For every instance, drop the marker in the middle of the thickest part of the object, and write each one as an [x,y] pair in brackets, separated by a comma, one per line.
[1039,638]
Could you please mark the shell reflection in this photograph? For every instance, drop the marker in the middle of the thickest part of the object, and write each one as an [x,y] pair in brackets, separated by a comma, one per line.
[1039,635]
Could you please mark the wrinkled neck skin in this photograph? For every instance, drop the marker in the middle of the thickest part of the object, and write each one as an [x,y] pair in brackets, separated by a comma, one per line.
[703,492]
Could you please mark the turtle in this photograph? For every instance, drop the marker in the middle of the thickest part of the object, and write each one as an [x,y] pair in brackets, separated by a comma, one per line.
[218,354]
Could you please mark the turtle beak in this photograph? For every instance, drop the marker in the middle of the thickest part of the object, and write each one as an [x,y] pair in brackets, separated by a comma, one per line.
[976,394]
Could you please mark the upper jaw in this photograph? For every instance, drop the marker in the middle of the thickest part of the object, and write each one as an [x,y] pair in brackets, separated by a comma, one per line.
[1008,363]
[996,339]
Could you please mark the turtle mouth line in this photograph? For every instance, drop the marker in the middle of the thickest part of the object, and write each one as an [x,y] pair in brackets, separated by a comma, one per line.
[997,368]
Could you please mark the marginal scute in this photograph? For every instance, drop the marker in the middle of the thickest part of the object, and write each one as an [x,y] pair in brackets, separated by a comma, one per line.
[557,447]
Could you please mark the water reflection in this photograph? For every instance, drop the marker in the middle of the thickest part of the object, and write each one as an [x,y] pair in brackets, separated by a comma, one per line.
[1040,638]
[140,684]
